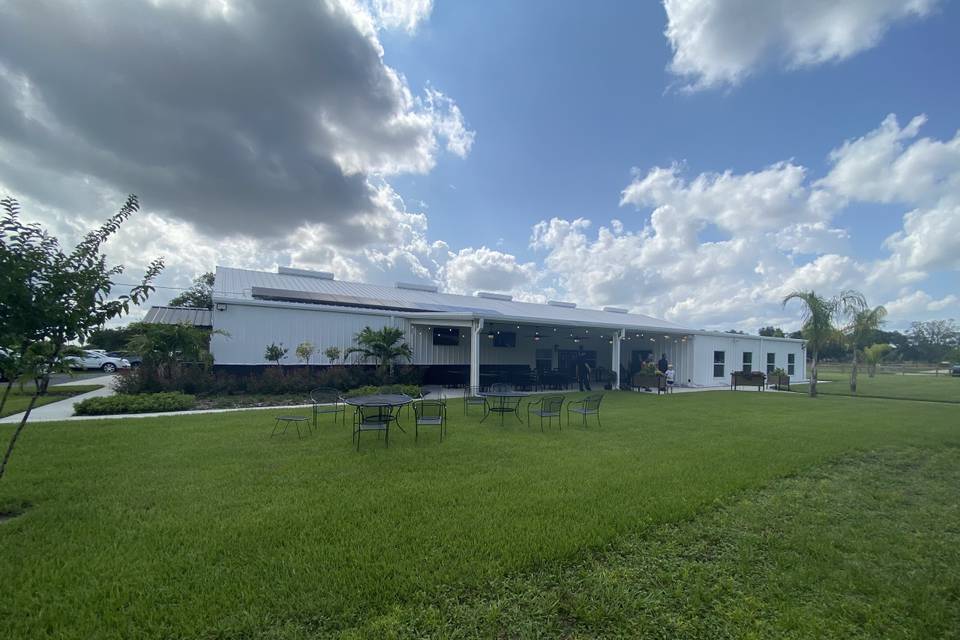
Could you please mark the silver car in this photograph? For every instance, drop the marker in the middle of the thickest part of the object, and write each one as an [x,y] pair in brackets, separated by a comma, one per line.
[98,360]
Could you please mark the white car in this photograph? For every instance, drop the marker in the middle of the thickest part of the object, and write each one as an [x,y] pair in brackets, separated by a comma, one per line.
[98,360]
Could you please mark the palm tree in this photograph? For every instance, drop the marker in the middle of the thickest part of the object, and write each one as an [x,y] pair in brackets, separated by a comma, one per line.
[873,354]
[384,346]
[863,323]
[818,331]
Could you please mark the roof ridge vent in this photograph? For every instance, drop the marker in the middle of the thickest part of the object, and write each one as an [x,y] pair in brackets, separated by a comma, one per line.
[494,296]
[416,286]
[306,273]
[561,303]
[616,310]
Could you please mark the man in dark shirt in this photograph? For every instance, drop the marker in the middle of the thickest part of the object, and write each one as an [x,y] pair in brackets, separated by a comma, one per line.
[662,364]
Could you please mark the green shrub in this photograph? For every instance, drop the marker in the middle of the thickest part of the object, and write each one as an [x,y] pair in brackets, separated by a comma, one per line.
[411,390]
[140,403]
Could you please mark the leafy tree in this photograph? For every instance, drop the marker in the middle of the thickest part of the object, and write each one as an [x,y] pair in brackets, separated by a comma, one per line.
[771,332]
[50,297]
[305,351]
[934,339]
[165,347]
[275,353]
[873,354]
[200,295]
[113,339]
[385,346]
[864,322]
[332,354]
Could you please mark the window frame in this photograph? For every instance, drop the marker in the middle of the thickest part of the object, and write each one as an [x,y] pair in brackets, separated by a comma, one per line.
[791,363]
[771,361]
[747,362]
[720,362]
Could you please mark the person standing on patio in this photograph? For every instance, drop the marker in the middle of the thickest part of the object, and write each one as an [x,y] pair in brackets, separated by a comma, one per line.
[663,364]
[583,373]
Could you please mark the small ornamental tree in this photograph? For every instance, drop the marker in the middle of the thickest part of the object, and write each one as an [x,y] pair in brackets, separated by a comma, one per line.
[50,297]
[305,351]
[275,353]
[332,353]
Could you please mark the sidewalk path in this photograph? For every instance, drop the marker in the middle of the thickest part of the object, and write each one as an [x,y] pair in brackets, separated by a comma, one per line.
[63,409]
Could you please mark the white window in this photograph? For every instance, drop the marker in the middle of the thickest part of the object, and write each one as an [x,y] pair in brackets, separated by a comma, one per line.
[791,363]
[747,361]
[771,362]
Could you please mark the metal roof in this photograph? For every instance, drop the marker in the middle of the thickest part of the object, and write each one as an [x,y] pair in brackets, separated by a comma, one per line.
[197,317]
[239,285]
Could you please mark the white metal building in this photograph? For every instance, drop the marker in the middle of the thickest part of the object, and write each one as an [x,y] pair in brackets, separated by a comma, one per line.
[469,338]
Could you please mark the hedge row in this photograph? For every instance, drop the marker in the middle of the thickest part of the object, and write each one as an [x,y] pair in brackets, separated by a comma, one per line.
[141,403]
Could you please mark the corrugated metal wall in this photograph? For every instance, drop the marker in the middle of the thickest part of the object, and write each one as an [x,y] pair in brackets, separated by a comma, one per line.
[252,328]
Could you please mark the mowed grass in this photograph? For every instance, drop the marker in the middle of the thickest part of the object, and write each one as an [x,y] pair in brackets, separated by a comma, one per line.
[205,526]
[866,546]
[942,388]
[17,402]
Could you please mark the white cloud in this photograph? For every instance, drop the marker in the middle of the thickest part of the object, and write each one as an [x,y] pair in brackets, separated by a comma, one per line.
[470,270]
[401,14]
[720,42]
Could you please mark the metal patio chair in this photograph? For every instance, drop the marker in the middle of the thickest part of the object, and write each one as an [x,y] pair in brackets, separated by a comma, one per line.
[374,418]
[589,406]
[327,400]
[472,398]
[430,413]
[548,407]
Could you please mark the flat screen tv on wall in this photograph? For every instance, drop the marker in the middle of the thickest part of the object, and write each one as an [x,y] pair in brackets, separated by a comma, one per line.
[446,336]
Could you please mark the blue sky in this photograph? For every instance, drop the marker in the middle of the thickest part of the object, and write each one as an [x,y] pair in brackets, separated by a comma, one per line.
[673,158]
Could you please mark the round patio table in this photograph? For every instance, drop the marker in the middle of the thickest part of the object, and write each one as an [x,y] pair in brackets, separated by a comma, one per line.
[500,406]
[384,402]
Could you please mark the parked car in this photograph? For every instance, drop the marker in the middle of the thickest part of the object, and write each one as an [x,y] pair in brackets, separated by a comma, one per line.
[134,360]
[98,360]
[955,371]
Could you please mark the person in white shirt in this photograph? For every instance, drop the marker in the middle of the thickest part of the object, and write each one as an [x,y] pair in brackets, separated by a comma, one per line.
[671,374]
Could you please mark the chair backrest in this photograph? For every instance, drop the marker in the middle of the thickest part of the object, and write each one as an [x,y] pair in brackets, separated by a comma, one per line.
[325,395]
[428,409]
[373,413]
[592,402]
[501,386]
[553,404]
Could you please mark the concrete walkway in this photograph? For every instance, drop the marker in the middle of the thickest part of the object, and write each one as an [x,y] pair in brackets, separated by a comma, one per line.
[63,409]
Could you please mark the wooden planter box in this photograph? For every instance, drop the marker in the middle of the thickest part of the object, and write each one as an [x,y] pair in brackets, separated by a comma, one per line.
[649,381]
[752,379]
[779,382]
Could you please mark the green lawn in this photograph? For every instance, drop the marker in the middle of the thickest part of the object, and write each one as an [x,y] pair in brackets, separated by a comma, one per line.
[942,388]
[18,402]
[204,526]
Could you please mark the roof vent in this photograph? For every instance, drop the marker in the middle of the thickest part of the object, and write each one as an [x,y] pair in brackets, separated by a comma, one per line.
[615,310]
[560,303]
[494,296]
[306,273]
[416,286]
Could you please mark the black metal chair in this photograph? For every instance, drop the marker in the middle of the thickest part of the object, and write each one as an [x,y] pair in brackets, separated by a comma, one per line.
[430,413]
[548,407]
[472,398]
[327,400]
[589,406]
[374,418]
[502,405]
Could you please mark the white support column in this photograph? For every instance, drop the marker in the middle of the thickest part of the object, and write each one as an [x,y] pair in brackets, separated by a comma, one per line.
[615,361]
[475,353]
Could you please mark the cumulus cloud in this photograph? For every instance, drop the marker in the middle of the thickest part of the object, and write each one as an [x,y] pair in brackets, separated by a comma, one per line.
[778,234]
[240,117]
[719,43]
[470,270]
